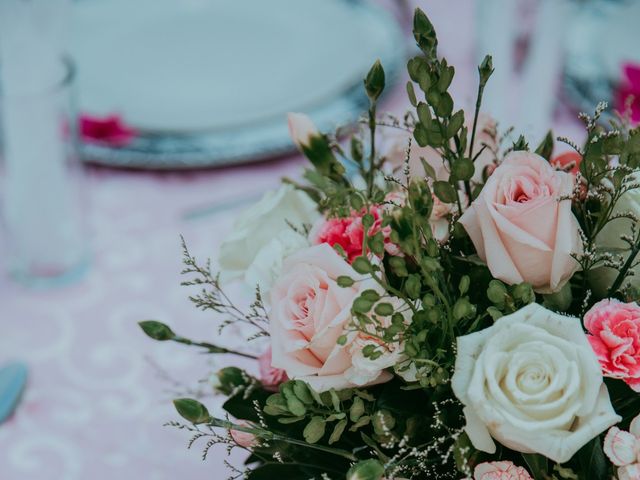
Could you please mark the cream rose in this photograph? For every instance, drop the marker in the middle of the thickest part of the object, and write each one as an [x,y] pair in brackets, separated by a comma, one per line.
[309,313]
[521,227]
[610,239]
[532,382]
[262,237]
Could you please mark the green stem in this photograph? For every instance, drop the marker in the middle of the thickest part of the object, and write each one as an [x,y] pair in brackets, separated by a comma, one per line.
[212,348]
[372,148]
[267,435]
[625,268]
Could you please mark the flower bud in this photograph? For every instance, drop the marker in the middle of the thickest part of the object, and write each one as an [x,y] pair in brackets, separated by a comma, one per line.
[301,129]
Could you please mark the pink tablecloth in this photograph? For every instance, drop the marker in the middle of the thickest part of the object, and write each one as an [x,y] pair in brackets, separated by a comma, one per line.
[99,391]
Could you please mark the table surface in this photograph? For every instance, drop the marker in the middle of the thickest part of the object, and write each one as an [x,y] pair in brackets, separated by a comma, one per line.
[99,391]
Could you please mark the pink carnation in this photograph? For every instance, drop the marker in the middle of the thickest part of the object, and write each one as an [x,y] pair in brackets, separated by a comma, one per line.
[614,329]
[500,471]
[270,376]
[349,232]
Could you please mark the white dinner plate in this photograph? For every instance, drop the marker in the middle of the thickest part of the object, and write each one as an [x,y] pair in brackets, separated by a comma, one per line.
[209,82]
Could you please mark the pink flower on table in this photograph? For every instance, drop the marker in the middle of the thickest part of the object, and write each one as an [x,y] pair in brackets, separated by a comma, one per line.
[623,449]
[522,225]
[270,376]
[348,232]
[109,130]
[500,471]
[629,86]
[243,439]
[614,334]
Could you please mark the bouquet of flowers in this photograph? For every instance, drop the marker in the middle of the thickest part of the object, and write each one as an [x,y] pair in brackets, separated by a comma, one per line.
[454,305]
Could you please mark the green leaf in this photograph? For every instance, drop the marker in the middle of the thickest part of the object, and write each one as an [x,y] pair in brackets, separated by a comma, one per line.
[444,106]
[384,309]
[421,135]
[463,169]
[290,420]
[371,295]
[411,93]
[296,406]
[302,391]
[157,330]
[362,265]
[362,305]
[428,169]
[338,430]
[446,76]
[592,460]
[537,465]
[424,113]
[545,149]
[356,149]
[314,430]
[374,81]
[344,281]
[455,124]
[357,409]
[335,400]
[463,286]
[444,191]
[366,470]
[192,410]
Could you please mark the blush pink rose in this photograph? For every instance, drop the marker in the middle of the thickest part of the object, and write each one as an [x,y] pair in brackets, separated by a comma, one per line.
[614,334]
[521,227]
[270,376]
[348,232]
[500,471]
[309,313]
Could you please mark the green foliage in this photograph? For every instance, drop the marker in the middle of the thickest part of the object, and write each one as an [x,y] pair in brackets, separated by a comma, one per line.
[192,410]
[157,330]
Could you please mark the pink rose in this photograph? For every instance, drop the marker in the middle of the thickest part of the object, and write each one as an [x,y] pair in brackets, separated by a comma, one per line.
[623,450]
[349,232]
[270,376]
[243,439]
[309,313]
[614,329]
[522,225]
[500,471]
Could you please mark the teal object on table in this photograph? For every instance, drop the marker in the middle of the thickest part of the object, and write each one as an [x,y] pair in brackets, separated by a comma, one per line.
[13,378]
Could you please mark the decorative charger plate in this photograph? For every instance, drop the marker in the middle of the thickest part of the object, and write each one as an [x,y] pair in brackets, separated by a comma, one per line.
[602,36]
[209,82]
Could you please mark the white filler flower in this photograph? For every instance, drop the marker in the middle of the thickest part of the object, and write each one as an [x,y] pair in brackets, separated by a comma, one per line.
[532,382]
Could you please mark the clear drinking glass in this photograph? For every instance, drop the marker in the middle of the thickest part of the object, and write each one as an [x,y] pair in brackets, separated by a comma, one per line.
[41,202]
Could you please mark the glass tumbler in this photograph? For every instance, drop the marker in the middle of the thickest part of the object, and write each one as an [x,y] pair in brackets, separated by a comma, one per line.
[41,200]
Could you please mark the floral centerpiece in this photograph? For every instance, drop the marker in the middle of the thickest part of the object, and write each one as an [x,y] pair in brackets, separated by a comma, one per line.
[452,306]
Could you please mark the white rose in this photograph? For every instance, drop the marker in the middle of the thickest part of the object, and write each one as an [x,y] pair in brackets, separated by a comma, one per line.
[532,382]
[262,236]
[609,238]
